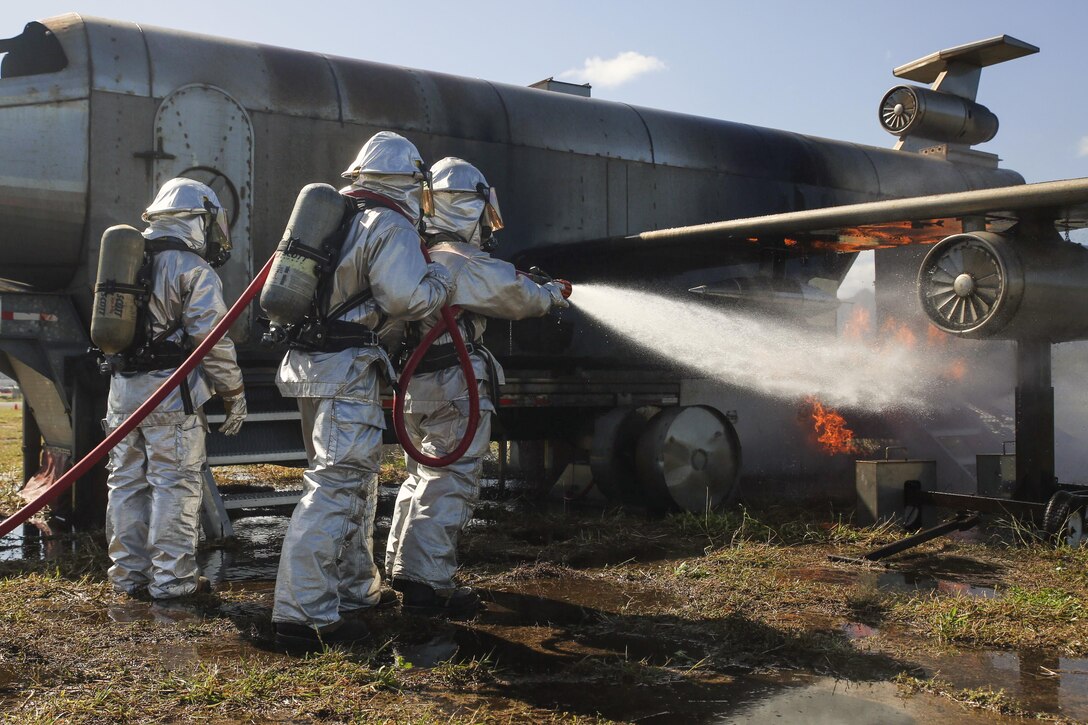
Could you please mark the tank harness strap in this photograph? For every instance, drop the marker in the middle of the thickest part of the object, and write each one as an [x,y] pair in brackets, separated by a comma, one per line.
[322,330]
[111,286]
[158,352]
[297,248]
[167,244]
[440,357]
[444,236]
[364,200]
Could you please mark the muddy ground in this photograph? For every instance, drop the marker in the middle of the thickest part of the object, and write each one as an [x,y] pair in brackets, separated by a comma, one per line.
[592,615]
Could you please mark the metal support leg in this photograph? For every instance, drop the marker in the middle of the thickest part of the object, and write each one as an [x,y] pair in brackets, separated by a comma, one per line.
[213,514]
[1034,422]
[961,522]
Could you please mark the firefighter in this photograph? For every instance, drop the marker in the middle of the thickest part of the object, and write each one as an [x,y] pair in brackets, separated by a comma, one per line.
[155,472]
[327,565]
[434,505]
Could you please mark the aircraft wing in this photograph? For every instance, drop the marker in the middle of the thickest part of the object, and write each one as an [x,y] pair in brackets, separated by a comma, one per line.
[878,224]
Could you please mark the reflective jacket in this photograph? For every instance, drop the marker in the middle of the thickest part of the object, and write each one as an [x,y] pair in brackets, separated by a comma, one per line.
[380,254]
[187,295]
[484,286]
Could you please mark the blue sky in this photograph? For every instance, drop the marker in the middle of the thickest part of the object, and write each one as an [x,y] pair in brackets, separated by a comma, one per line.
[814,68]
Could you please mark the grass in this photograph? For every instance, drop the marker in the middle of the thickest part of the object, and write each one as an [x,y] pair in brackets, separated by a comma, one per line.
[981,698]
[1022,616]
[632,605]
[11,458]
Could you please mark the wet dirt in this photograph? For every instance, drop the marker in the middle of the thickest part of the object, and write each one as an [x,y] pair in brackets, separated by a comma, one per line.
[622,643]
[903,582]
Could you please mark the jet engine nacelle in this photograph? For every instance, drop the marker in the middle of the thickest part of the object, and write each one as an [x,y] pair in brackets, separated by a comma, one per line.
[984,285]
[942,117]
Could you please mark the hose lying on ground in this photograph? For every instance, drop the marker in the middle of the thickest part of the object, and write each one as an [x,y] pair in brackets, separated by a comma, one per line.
[72,474]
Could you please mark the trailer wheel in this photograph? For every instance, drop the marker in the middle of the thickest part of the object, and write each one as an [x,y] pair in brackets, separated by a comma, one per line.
[1063,519]
[612,457]
[689,458]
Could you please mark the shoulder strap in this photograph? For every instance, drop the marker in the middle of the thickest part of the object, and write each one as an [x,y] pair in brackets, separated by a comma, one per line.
[167,244]
[333,246]
[368,199]
[146,276]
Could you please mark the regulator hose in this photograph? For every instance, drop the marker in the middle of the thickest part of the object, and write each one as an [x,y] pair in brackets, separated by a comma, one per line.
[65,481]
[447,323]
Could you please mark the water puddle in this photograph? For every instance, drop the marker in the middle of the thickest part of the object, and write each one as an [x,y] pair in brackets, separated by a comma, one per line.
[1041,681]
[826,700]
[896,582]
[857,630]
[574,643]
[255,557]
[907,583]
[31,542]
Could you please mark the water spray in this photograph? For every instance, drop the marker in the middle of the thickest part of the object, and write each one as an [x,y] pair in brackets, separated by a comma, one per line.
[763,354]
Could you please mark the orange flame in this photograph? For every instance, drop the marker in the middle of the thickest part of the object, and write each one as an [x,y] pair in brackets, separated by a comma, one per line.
[859,324]
[898,331]
[831,430]
[936,338]
[958,369]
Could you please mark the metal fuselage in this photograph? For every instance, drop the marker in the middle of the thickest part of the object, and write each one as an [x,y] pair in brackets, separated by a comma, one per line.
[85,147]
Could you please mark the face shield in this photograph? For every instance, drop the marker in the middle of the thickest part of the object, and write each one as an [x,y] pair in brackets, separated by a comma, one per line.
[426,201]
[492,213]
[216,235]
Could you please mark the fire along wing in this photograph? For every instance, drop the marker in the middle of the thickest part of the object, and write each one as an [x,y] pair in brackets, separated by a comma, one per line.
[999,267]
[1061,205]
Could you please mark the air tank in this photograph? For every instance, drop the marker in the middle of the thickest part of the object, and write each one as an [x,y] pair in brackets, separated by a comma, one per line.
[117,291]
[308,244]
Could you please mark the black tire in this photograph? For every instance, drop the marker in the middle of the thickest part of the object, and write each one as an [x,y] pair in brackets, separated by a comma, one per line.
[1056,517]
[612,458]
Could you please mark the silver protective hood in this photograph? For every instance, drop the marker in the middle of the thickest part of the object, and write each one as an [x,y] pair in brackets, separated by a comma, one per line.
[460,194]
[390,165]
[189,228]
[181,199]
[458,213]
[386,153]
[404,190]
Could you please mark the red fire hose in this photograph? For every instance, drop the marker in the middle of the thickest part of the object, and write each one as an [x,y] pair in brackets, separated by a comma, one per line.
[64,482]
[447,323]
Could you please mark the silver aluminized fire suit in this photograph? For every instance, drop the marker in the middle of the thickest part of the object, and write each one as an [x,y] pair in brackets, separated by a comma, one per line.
[435,504]
[153,513]
[327,564]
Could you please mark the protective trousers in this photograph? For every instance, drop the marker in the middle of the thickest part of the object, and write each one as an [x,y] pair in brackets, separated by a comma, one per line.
[435,504]
[327,563]
[153,510]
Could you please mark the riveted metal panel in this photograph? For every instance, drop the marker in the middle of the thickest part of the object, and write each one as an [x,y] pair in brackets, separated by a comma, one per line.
[179,59]
[300,84]
[43,185]
[616,187]
[463,108]
[43,176]
[565,123]
[381,95]
[289,153]
[211,137]
[118,57]
[120,183]
[559,198]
